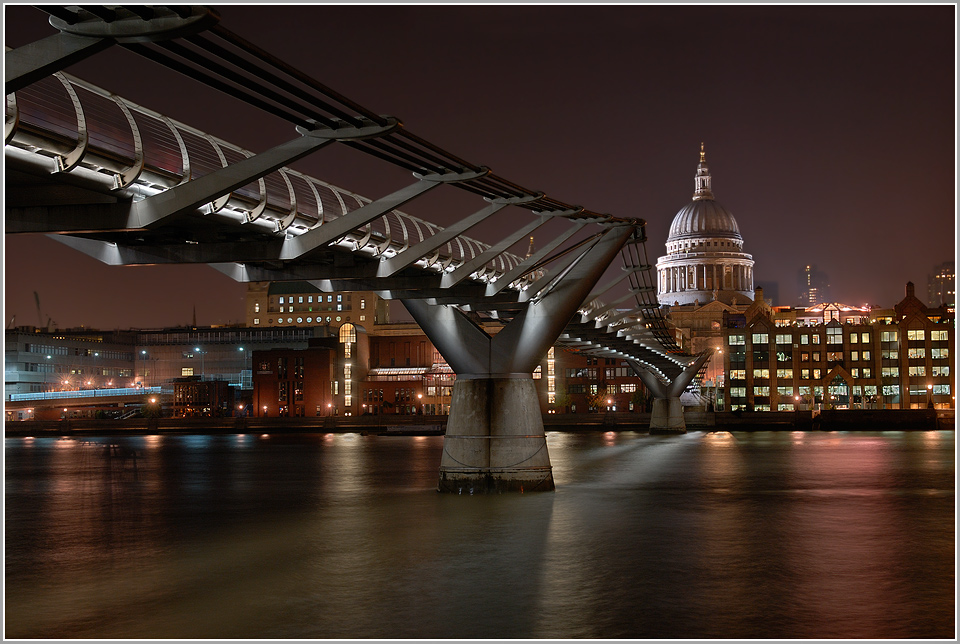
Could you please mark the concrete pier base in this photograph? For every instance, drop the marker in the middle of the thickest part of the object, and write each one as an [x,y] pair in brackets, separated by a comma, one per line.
[667,417]
[495,441]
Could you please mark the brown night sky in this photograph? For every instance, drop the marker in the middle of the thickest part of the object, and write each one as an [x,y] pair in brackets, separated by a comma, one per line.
[829,131]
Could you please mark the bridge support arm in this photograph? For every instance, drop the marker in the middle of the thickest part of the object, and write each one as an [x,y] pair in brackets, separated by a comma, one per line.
[667,415]
[495,441]
[29,63]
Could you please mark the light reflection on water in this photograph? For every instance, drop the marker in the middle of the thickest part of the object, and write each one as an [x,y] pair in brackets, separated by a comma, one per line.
[704,535]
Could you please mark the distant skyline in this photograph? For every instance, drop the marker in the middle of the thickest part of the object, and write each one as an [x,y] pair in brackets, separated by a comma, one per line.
[830,131]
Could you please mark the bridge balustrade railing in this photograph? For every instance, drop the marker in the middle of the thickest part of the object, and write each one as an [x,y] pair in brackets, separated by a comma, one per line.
[76,123]
[85,393]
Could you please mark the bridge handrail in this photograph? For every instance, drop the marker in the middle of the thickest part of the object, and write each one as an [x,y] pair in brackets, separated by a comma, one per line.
[86,393]
[39,120]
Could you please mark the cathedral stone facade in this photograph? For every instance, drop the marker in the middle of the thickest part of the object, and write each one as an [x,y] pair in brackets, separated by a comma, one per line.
[705,261]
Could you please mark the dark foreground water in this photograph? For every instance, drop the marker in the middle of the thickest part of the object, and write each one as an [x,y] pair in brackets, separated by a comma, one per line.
[706,535]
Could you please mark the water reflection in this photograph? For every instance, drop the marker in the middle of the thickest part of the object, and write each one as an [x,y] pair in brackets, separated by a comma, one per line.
[705,535]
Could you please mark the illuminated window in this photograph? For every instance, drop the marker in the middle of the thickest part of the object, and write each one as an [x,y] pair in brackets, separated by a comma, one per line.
[281,300]
[551,377]
[348,333]
[919,370]
[915,334]
[256,320]
[738,339]
[940,352]
[363,304]
[761,373]
[888,336]
[538,372]
[300,299]
[854,338]
[785,373]
[186,371]
[761,338]
[916,352]
[939,335]
[256,307]
[865,337]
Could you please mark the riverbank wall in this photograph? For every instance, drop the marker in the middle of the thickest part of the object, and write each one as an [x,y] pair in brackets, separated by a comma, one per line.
[827,420]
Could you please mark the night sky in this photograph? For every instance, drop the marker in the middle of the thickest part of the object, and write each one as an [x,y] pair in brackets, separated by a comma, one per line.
[829,131]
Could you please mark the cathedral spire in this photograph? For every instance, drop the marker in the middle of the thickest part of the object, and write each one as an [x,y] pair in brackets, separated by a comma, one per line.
[702,179]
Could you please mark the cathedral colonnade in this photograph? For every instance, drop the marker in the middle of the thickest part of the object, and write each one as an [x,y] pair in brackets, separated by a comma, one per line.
[705,277]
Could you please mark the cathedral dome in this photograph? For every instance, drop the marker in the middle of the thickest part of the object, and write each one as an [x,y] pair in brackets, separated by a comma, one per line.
[705,259]
[703,218]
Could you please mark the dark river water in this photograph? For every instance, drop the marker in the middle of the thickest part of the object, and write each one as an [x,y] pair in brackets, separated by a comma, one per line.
[775,535]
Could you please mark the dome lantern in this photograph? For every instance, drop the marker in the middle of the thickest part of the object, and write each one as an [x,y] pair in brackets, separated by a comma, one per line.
[702,188]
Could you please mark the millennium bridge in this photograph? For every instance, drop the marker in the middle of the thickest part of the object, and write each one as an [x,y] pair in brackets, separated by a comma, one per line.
[127,185]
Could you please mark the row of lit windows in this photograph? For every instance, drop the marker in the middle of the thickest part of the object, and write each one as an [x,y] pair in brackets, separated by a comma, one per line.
[289,301]
[856,372]
[308,320]
[623,388]
[856,391]
[291,309]
[834,336]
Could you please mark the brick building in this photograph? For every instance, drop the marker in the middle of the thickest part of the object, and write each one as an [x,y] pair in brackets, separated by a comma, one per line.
[847,358]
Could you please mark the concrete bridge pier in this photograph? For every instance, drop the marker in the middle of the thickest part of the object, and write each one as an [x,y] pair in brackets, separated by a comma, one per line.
[495,441]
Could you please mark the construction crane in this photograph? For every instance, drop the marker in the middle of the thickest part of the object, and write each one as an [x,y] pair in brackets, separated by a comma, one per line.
[36,297]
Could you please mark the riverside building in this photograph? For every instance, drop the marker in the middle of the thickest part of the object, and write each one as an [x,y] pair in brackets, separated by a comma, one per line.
[840,357]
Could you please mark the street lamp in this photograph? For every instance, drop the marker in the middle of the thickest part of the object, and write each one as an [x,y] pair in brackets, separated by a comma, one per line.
[420,400]
[929,396]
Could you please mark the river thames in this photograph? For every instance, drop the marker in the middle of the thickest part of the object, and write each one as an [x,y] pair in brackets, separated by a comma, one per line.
[707,535]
